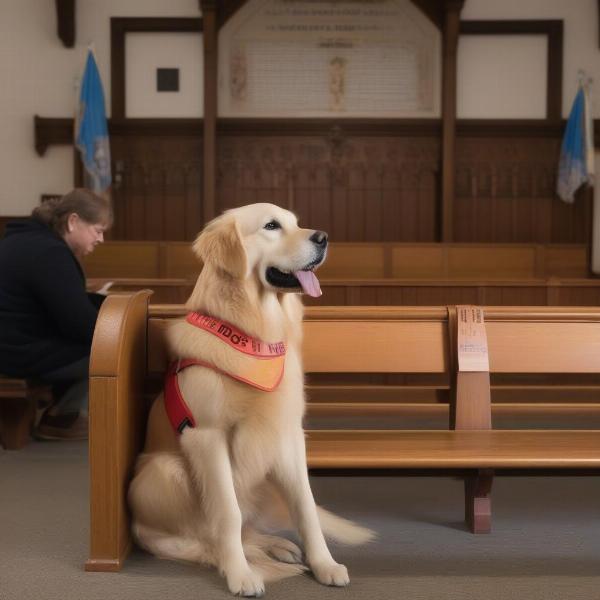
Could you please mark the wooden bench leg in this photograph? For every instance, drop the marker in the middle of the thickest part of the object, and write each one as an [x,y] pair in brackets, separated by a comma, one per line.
[478,504]
[16,419]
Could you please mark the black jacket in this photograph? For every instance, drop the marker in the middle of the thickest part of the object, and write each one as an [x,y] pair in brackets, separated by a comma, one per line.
[46,317]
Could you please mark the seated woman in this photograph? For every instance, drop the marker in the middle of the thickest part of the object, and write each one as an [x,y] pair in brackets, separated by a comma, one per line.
[47,318]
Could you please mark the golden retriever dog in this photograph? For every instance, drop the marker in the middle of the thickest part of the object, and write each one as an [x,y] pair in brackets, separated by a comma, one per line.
[218,491]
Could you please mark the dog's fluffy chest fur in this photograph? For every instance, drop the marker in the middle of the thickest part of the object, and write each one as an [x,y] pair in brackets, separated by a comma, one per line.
[258,423]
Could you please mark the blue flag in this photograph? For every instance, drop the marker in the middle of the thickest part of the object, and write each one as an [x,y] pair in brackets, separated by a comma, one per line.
[91,136]
[576,154]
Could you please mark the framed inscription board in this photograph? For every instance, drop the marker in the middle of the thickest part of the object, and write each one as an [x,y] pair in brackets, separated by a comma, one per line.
[345,58]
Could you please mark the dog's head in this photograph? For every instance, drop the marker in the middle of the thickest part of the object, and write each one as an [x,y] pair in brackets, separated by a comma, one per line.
[265,242]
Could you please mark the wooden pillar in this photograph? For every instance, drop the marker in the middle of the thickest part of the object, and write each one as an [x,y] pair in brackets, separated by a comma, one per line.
[210,37]
[450,44]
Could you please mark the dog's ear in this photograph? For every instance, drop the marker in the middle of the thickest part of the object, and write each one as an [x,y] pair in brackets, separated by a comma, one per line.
[220,245]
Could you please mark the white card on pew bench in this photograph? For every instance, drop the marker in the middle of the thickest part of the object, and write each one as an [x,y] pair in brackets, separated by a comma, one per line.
[472,340]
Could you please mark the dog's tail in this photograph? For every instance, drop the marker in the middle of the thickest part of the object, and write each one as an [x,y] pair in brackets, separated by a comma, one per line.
[256,548]
[343,531]
[273,557]
[172,547]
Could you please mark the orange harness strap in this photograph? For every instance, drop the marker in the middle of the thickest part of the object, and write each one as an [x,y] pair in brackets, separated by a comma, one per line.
[264,374]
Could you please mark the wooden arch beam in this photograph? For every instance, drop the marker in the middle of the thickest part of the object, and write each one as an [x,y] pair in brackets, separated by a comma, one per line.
[224,8]
[65,21]
[433,9]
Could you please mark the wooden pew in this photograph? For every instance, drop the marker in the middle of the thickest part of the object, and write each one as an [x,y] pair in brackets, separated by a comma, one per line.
[383,273]
[128,355]
[18,403]
[164,291]
[399,292]
[553,291]
[519,341]
[363,260]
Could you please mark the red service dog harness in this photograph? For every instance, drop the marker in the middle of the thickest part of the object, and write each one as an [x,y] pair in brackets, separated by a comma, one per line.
[263,371]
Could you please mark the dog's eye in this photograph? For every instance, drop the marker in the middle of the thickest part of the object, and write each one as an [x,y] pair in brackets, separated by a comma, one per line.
[273,225]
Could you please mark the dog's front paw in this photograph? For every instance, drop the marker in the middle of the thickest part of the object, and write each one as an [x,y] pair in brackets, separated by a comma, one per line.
[246,583]
[331,573]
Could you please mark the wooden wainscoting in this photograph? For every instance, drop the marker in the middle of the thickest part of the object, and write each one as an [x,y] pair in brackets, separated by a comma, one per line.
[359,179]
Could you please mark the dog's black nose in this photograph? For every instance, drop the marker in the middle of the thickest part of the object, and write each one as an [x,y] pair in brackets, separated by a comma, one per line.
[319,238]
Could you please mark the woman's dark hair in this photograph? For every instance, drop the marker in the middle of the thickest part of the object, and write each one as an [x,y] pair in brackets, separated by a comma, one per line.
[86,204]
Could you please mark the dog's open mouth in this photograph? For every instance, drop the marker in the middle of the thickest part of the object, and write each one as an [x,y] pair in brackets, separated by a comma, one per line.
[305,279]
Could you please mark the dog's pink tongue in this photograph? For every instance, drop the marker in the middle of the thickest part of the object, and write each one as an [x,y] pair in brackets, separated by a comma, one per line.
[309,282]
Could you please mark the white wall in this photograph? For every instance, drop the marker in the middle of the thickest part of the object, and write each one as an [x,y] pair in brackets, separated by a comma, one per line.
[581,48]
[38,74]
[144,53]
[518,76]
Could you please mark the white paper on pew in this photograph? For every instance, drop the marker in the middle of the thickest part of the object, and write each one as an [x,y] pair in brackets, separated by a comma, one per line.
[472,340]
[103,291]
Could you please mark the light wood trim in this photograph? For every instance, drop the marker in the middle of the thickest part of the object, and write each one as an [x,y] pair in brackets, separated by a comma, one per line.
[558,314]
[327,449]
[383,394]
[427,409]
[117,421]
[549,314]
[550,394]
[377,313]
[338,313]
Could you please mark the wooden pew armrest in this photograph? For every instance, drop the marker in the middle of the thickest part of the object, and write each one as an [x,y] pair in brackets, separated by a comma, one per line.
[117,422]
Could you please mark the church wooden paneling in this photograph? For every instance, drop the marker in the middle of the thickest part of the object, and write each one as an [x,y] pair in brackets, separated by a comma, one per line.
[360,180]
[505,192]
[358,189]
[159,193]
[380,188]
[514,296]
[580,295]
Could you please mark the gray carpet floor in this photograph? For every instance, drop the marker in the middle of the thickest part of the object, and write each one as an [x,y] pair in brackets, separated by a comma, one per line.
[545,542]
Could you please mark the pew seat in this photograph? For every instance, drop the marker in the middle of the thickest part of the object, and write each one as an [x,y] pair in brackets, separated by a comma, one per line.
[506,449]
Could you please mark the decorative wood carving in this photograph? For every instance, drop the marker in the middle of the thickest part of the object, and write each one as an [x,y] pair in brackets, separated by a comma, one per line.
[50,130]
[505,192]
[433,9]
